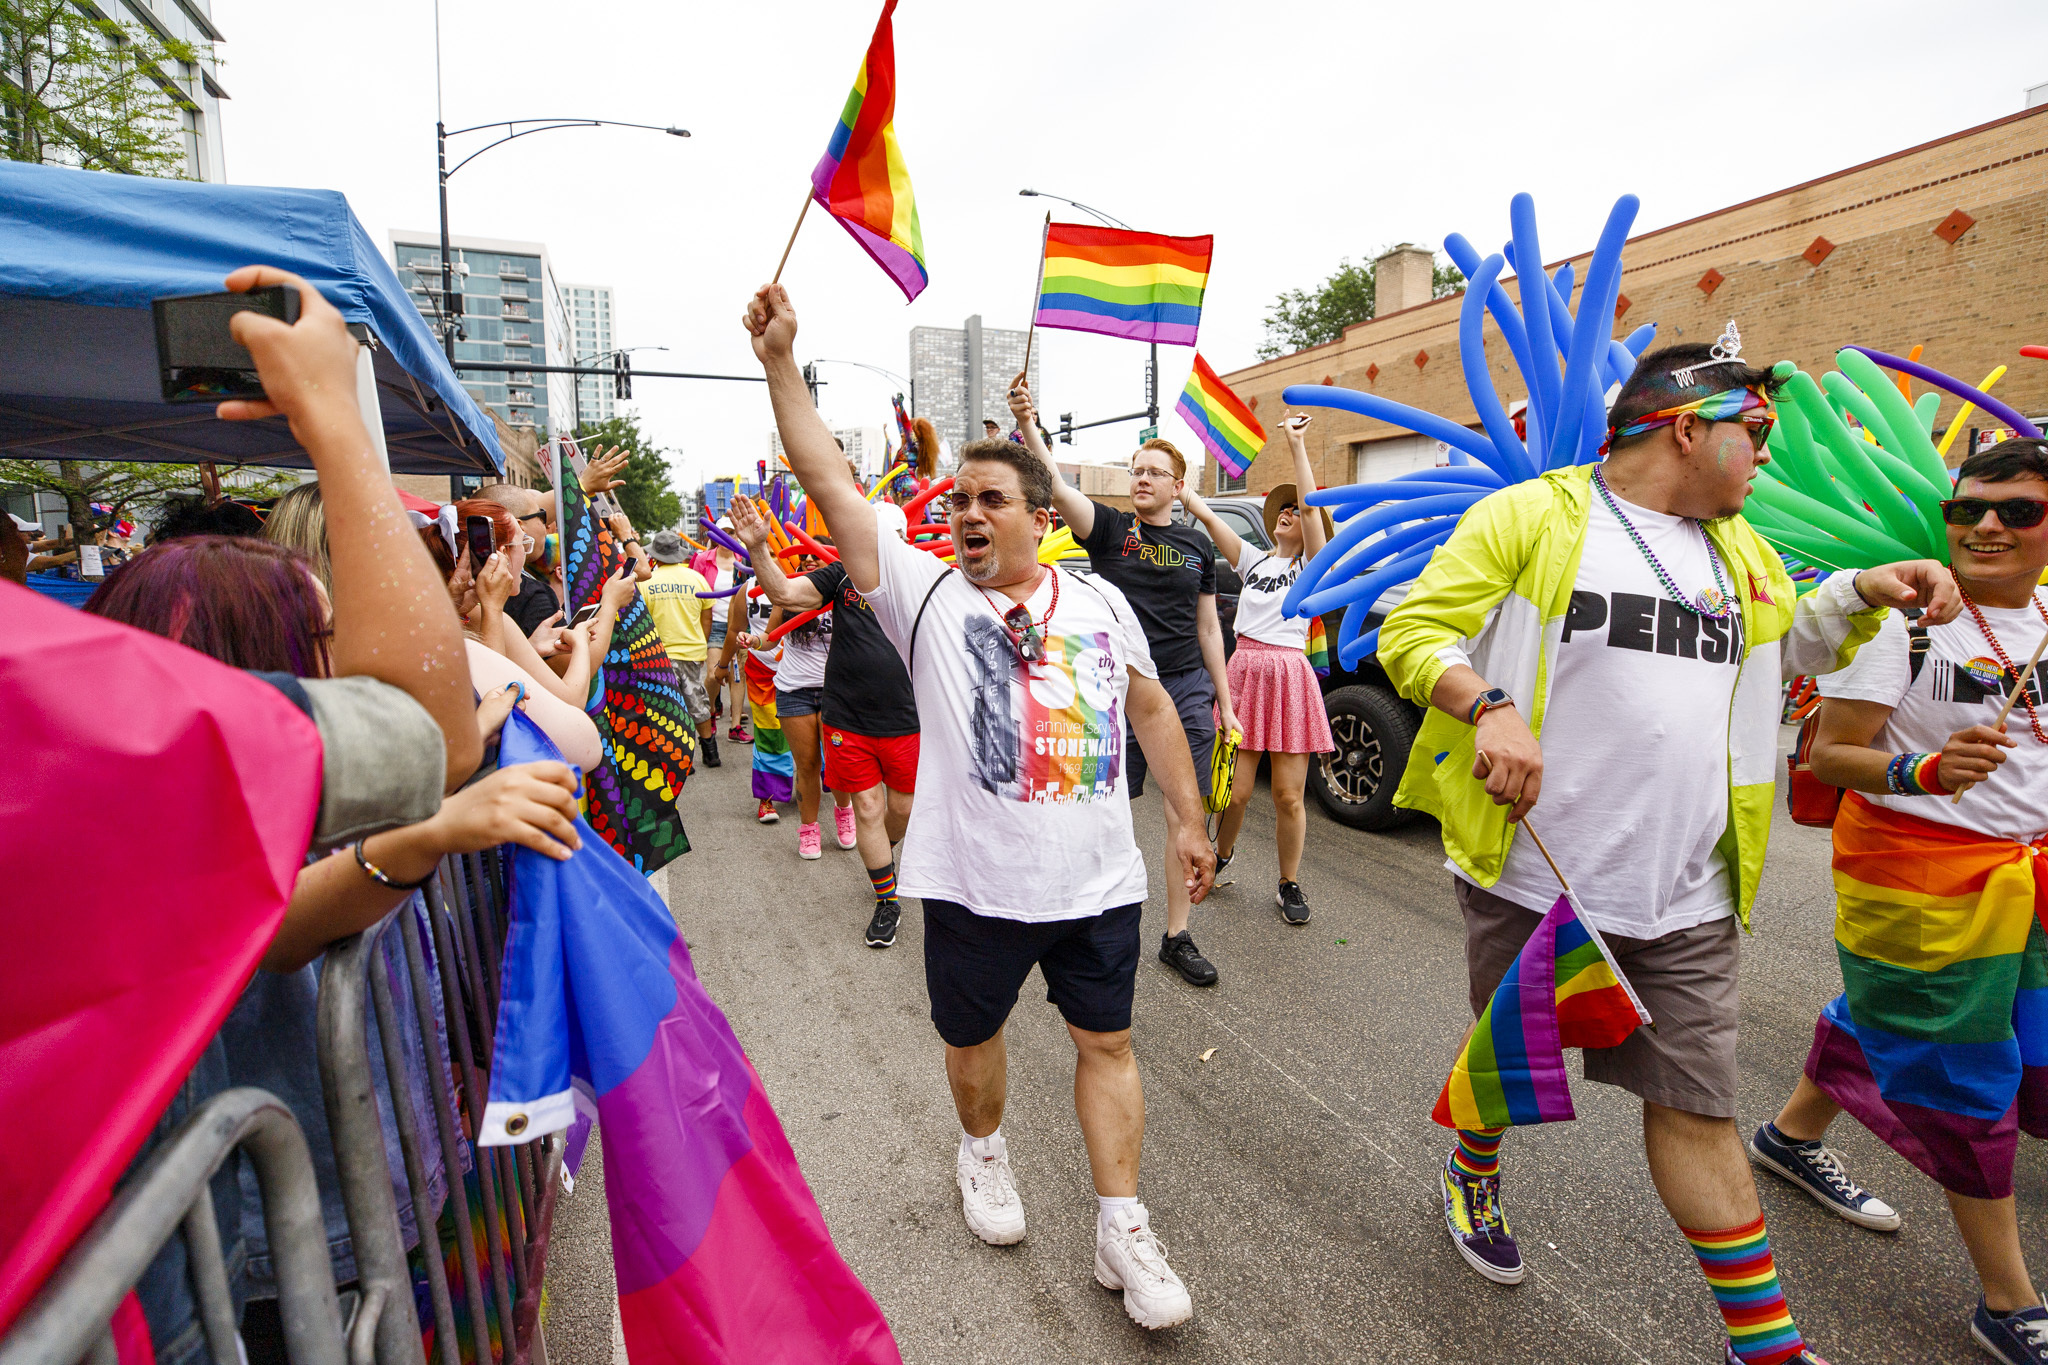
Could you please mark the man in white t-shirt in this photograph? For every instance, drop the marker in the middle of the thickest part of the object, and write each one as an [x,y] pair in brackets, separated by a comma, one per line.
[1020,843]
[1939,1042]
[1627,614]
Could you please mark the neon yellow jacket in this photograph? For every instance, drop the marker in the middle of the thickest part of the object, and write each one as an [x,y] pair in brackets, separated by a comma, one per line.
[1494,598]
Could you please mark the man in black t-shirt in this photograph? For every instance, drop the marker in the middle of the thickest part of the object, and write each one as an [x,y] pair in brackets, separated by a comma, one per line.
[1168,572]
[870,713]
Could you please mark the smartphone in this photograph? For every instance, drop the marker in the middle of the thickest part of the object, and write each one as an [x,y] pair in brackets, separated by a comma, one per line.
[583,614]
[198,359]
[477,535]
[1299,420]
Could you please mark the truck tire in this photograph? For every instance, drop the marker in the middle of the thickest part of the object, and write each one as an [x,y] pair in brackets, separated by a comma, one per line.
[1355,783]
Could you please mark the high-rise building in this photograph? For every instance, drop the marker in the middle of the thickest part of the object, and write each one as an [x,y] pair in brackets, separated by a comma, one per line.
[963,376]
[193,87]
[592,317]
[508,310]
[865,447]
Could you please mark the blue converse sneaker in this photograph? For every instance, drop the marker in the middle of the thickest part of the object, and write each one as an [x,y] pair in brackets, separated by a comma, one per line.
[2019,1338]
[1478,1227]
[1818,1170]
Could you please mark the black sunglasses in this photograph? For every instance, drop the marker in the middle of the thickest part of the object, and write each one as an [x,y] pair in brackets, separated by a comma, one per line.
[2015,514]
[991,500]
[1030,648]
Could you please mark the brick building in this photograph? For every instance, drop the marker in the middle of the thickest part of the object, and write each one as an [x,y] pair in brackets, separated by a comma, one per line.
[1944,245]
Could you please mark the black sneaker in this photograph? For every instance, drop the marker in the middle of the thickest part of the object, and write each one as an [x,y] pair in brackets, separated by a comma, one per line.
[1223,861]
[1818,1170]
[1293,905]
[2019,1338]
[882,928]
[708,746]
[1179,952]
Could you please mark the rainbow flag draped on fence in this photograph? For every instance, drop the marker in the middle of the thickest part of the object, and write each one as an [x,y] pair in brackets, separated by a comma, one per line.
[1563,991]
[1226,426]
[650,743]
[1939,1042]
[113,985]
[862,181]
[1138,285]
[721,1252]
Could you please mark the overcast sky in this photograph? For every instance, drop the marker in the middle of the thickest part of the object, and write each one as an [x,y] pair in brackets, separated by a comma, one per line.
[1297,132]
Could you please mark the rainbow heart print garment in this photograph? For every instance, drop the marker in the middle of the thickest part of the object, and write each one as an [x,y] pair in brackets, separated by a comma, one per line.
[1939,1041]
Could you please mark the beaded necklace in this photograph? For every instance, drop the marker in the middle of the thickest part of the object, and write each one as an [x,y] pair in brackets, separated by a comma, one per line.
[2004,660]
[1716,603]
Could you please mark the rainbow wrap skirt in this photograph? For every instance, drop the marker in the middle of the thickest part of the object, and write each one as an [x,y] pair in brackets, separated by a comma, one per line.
[774,765]
[1939,1041]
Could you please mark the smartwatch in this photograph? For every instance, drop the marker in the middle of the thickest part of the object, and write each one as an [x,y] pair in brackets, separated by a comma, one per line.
[1486,701]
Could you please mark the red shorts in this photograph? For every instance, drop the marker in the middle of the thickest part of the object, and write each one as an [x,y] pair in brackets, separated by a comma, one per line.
[853,763]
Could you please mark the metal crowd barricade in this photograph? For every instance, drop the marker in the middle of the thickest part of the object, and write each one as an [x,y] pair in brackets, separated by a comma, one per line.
[452,951]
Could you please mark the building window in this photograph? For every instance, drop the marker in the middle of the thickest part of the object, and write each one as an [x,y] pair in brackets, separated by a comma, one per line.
[1226,484]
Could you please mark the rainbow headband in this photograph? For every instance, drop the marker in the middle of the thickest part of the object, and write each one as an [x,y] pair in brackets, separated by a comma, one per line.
[1715,407]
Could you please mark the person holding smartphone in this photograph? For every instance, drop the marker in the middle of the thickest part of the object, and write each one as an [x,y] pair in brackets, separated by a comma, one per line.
[1278,696]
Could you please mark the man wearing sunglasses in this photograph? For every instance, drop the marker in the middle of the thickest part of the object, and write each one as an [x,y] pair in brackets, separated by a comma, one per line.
[1020,842]
[1626,613]
[1939,1043]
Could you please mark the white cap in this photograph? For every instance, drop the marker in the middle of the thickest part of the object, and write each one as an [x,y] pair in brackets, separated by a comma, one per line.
[21,524]
[725,523]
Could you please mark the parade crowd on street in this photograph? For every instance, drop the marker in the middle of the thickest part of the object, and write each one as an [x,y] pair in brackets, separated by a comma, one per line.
[1597,653]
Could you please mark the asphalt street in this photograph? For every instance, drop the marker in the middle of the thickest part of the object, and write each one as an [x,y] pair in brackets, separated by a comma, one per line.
[1291,1176]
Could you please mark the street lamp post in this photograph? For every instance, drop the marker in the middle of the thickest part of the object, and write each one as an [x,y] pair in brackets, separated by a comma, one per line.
[514,128]
[1151,364]
[910,384]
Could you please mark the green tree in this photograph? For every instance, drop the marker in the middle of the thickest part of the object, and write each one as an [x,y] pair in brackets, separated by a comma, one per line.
[647,497]
[124,486]
[78,89]
[1302,318]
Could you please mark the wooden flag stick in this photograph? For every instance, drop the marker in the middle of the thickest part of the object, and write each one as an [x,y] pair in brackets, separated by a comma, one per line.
[2010,702]
[808,196]
[1037,291]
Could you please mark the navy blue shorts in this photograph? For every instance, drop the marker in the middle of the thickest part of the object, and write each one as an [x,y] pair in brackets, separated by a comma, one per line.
[974,965]
[1194,696]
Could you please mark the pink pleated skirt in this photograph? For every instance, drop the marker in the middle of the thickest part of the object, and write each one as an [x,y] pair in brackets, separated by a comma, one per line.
[1278,700]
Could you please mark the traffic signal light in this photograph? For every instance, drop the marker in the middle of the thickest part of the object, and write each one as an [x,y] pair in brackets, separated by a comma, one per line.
[622,375]
[1066,428]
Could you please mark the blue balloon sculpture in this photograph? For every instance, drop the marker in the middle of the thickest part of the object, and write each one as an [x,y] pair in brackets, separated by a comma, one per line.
[1389,529]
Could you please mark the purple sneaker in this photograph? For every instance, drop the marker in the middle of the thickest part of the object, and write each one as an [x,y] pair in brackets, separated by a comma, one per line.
[1477,1226]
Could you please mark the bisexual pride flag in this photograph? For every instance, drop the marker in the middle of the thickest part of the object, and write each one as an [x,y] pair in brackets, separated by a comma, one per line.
[862,180]
[720,1249]
[1563,991]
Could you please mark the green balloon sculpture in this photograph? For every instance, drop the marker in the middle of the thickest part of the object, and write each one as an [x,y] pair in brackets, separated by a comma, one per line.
[1834,498]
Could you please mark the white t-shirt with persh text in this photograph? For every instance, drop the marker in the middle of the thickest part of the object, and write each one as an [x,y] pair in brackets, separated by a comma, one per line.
[1961,684]
[1022,810]
[1267,577]
[1635,738]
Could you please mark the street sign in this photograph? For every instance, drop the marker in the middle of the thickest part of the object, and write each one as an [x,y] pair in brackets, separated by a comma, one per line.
[1147,434]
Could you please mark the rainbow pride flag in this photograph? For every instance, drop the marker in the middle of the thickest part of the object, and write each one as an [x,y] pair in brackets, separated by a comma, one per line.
[862,181]
[1138,285]
[1317,647]
[1226,426]
[721,1252]
[1563,991]
[1939,1042]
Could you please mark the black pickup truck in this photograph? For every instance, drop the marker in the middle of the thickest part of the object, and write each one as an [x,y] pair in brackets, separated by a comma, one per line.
[1372,725]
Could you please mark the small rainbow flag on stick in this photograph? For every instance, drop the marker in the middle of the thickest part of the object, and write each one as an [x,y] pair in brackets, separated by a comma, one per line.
[1563,991]
[1139,285]
[1221,419]
[862,181]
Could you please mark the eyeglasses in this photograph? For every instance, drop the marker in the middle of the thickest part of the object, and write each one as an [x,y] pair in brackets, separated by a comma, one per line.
[1158,475]
[2015,514]
[1030,648]
[1759,425]
[1290,510]
[991,500]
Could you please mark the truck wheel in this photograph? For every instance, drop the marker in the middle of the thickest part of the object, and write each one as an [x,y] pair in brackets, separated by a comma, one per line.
[1355,783]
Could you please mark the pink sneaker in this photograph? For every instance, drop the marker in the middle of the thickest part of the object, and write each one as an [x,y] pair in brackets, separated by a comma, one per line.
[842,818]
[809,842]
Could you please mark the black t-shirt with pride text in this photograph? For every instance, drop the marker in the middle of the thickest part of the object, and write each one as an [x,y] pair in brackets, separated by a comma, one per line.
[1162,570]
[866,688]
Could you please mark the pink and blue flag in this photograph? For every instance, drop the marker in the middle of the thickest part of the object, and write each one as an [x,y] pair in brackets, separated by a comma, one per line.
[721,1252]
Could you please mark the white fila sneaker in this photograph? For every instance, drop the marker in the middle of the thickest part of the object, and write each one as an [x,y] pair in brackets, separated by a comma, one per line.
[988,1196]
[1130,1258]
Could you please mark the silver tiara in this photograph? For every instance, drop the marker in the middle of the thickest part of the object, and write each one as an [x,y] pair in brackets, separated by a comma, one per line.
[1727,351]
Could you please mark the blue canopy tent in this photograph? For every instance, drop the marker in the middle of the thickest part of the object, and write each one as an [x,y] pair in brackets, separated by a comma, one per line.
[82,254]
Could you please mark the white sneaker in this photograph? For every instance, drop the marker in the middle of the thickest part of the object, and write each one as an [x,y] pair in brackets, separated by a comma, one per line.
[989,1198]
[1130,1258]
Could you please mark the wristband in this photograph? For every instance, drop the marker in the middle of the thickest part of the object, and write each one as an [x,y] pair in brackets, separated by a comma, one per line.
[383,878]
[1487,701]
[1914,775]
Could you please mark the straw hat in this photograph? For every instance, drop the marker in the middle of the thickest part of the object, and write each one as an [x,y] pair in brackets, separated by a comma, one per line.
[1281,496]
